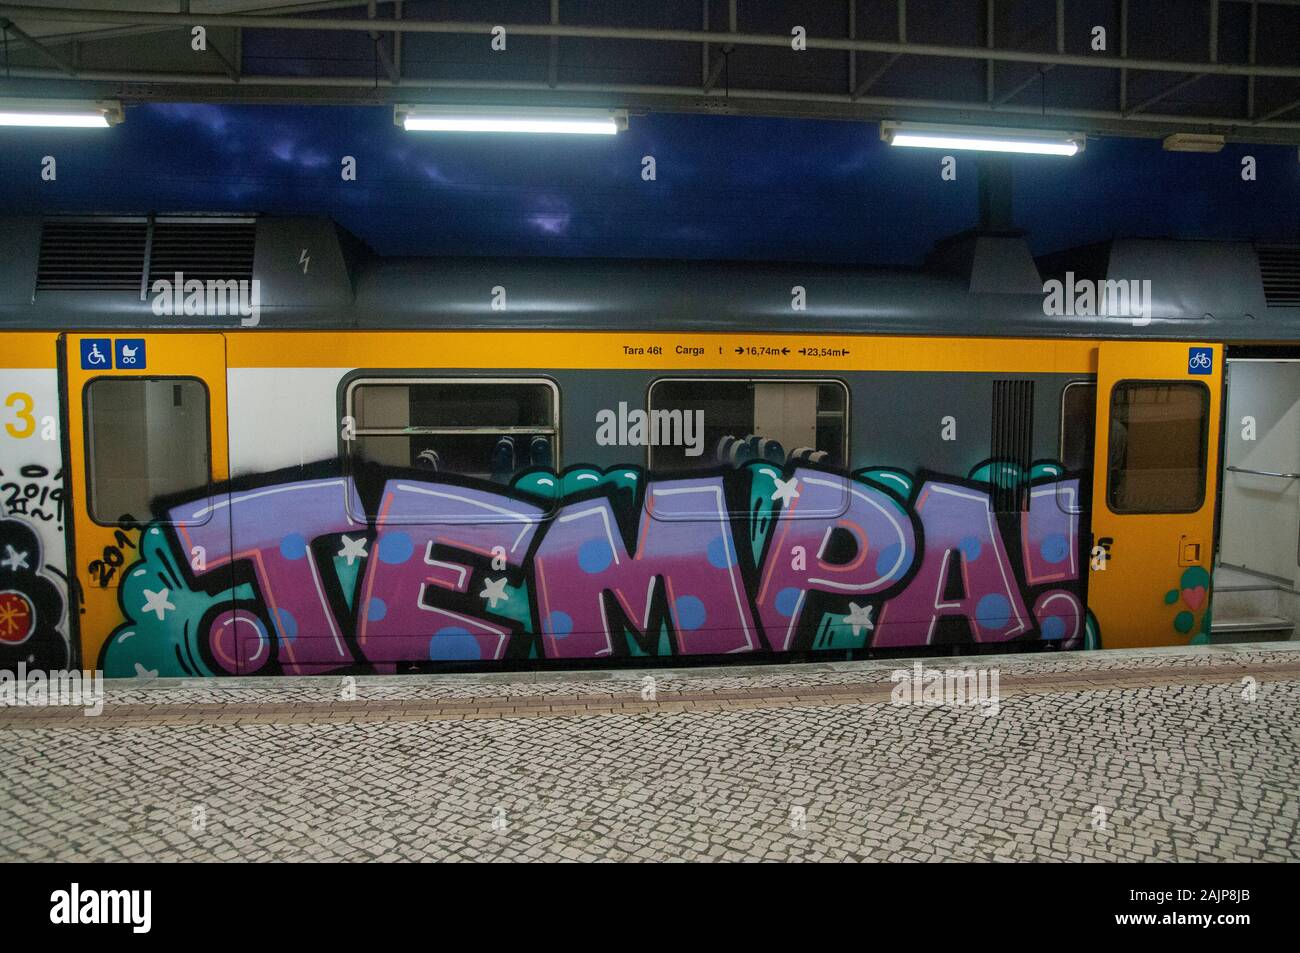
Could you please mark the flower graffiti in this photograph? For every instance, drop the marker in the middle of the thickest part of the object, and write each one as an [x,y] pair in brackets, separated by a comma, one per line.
[1192,596]
[31,603]
[303,572]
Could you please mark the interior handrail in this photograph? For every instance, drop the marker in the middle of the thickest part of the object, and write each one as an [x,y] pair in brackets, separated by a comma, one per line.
[1268,473]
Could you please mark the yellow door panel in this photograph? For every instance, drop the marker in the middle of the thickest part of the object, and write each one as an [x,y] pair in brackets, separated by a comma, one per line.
[146,418]
[1157,446]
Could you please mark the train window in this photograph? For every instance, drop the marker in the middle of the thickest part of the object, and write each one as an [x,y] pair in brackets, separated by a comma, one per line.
[145,438]
[1078,425]
[1158,441]
[487,428]
[735,420]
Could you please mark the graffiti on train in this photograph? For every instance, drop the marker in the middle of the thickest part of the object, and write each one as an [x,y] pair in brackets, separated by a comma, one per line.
[31,602]
[318,570]
[33,493]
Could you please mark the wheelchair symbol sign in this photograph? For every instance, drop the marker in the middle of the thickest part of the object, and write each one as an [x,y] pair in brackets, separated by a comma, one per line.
[96,354]
[130,354]
[1200,360]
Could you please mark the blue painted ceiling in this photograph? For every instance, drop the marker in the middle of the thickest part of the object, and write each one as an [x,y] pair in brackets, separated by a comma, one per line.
[726,187]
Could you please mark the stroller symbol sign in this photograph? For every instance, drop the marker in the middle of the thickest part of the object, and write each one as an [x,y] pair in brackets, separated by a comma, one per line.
[130,354]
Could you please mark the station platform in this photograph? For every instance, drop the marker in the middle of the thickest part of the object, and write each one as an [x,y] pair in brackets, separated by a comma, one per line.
[1160,754]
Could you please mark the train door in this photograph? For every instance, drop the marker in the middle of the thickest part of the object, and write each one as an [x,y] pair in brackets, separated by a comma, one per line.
[1155,461]
[147,441]
[1257,579]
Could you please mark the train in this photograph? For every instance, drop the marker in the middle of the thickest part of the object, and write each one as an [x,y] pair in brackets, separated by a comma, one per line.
[248,445]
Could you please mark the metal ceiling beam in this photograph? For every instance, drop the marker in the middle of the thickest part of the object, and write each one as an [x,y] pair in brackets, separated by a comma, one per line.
[1123,53]
[1281,110]
[1021,86]
[688,98]
[397,43]
[88,36]
[1037,76]
[1251,42]
[715,72]
[1168,91]
[231,69]
[552,54]
[381,54]
[880,71]
[135,85]
[327,24]
[1183,84]
[990,68]
[62,64]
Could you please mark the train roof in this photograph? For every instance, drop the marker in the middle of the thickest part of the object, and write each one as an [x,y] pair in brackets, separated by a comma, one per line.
[101,271]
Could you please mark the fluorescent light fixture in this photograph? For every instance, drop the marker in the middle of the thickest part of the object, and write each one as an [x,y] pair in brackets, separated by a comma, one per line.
[982,138]
[588,122]
[59,113]
[1193,142]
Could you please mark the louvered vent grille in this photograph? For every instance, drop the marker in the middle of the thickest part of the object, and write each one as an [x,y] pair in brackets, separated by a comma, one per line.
[212,250]
[1012,445]
[1279,269]
[91,254]
[112,253]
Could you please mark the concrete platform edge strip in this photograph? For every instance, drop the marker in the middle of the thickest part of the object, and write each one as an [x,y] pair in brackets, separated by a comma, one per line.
[867,693]
[287,683]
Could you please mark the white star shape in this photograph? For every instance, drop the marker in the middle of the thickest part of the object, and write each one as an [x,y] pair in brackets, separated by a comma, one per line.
[786,490]
[859,617]
[14,560]
[157,602]
[493,590]
[353,549]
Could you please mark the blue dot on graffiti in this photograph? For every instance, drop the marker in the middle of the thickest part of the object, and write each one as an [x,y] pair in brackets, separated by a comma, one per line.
[454,644]
[595,555]
[376,609]
[720,553]
[689,612]
[887,561]
[286,623]
[787,600]
[1055,548]
[395,547]
[970,548]
[1053,627]
[293,546]
[559,624]
[993,611]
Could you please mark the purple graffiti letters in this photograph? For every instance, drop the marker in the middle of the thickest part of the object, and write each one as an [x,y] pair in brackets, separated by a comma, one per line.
[872,539]
[447,570]
[964,572]
[422,597]
[273,528]
[1050,547]
[683,571]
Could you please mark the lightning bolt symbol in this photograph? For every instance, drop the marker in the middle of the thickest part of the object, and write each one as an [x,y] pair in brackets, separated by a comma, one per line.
[304,259]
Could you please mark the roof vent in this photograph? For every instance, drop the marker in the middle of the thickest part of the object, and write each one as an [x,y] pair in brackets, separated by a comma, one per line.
[114,253]
[203,248]
[91,254]
[1279,270]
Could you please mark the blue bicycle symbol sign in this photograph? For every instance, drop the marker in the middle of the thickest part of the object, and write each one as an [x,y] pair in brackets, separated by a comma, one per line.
[1200,360]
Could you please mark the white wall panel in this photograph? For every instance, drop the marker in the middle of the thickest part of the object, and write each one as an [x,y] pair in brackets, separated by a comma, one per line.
[282,416]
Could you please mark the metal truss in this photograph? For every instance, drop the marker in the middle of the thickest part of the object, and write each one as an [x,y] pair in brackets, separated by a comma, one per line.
[57,49]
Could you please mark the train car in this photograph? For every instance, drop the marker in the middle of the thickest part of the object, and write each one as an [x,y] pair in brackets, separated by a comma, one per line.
[249,446]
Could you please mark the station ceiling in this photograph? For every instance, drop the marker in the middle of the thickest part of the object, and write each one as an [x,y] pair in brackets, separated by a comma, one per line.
[1144,68]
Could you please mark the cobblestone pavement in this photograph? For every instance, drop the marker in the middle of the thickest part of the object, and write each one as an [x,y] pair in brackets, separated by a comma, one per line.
[1187,755]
